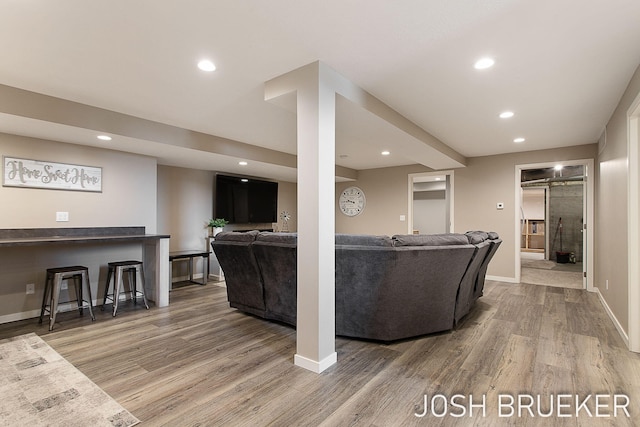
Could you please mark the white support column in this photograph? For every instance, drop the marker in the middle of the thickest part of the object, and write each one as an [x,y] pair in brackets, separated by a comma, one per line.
[316,225]
[316,211]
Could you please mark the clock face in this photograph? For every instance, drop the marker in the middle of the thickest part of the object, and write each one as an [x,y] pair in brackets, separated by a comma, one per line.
[352,201]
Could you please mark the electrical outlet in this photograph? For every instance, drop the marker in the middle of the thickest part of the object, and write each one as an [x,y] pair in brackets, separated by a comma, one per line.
[64,286]
[62,216]
[31,288]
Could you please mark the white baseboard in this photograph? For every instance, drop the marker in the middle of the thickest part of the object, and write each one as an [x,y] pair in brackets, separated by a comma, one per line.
[613,318]
[63,307]
[32,314]
[315,366]
[14,317]
[196,276]
[502,279]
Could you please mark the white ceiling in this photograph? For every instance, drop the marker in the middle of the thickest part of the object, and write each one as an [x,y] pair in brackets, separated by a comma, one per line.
[561,66]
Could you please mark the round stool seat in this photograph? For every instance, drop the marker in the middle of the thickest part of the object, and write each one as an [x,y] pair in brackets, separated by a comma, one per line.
[76,269]
[124,263]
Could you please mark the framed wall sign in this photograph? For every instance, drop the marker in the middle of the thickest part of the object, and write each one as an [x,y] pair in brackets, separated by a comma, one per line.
[29,173]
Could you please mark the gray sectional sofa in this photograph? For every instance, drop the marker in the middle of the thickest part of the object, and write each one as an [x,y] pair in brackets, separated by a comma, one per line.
[387,288]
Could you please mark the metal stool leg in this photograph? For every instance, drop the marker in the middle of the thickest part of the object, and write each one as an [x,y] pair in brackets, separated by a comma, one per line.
[78,283]
[87,282]
[132,272]
[45,297]
[55,297]
[144,293]
[116,289]
[106,288]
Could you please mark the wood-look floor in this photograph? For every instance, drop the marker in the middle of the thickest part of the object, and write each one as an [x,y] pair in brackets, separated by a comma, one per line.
[200,363]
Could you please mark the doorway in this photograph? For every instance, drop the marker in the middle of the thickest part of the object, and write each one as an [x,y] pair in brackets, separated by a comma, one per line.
[430,203]
[554,209]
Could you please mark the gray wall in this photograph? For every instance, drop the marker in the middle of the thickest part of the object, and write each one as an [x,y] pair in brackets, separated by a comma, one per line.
[387,192]
[185,200]
[611,208]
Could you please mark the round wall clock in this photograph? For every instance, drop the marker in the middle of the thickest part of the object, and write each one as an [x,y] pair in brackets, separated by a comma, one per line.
[352,201]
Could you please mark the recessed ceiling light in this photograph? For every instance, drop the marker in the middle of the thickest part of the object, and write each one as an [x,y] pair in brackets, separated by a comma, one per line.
[484,63]
[518,140]
[385,153]
[104,137]
[206,65]
[243,163]
[244,180]
[506,114]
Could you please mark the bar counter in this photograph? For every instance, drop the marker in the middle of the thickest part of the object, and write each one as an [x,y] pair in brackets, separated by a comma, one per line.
[155,249]
[39,236]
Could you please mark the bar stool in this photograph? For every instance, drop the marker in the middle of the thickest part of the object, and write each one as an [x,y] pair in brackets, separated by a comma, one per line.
[52,286]
[116,270]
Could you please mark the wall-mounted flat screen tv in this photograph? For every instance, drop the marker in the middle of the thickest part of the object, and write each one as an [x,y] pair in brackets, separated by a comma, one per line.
[242,200]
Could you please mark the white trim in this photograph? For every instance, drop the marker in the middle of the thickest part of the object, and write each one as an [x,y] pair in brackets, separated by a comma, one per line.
[410,177]
[502,279]
[216,277]
[14,317]
[177,279]
[547,235]
[613,318]
[589,215]
[518,222]
[315,366]
[64,307]
[633,226]
[588,207]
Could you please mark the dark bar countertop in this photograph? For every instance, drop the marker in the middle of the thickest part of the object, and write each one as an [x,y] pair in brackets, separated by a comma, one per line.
[38,236]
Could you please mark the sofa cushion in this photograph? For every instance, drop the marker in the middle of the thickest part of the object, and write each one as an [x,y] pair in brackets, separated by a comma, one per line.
[476,237]
[363,240]
[430,239]
[493,235]
[236,236]
[285,238]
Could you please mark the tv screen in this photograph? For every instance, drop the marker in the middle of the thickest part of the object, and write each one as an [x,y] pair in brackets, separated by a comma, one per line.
[246,200]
